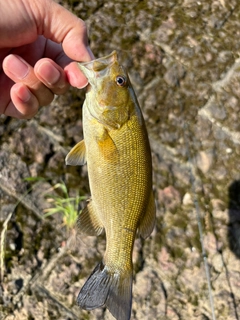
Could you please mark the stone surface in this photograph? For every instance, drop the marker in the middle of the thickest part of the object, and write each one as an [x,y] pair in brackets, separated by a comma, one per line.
[183,60]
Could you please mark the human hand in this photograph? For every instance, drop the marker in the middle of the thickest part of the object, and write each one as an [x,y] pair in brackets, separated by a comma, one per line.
[33,35]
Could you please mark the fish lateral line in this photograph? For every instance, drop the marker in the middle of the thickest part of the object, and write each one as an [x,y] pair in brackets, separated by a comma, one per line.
[129,230]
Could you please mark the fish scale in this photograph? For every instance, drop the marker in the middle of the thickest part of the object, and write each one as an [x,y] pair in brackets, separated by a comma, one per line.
[117,152]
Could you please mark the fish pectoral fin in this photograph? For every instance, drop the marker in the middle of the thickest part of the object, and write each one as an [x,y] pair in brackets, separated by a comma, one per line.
[77,156]
[148,221]
[88,221]
[107,147]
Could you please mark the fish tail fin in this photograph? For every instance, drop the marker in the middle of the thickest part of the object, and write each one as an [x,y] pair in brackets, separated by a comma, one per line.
[109,288]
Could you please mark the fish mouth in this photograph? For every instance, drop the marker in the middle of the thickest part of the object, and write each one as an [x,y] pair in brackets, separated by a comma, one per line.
[97,68]
[100,63]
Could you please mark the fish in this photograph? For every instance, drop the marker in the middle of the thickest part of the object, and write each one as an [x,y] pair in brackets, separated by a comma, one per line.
[117,152]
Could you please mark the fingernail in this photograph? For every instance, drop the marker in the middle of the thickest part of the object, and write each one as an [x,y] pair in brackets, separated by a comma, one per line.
[17,67]
[83,85]
[90,53]
[48,73]
[77,81]
[25,95]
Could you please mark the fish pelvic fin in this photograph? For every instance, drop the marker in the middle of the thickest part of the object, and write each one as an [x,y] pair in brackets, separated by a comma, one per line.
[148,221]
[88,221]
[77,155]
[109,288]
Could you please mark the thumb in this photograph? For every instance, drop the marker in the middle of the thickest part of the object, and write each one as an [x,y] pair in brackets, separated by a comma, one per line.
[61,26]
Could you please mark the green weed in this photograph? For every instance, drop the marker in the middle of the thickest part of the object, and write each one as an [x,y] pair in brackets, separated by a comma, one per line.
[62,203]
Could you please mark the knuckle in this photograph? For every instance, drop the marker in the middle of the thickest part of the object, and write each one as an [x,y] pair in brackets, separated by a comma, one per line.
[43,94]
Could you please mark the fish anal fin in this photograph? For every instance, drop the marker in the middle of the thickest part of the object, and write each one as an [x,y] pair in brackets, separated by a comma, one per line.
[107,147]
[108,287]
[148,221]
[77,156]
[88,221]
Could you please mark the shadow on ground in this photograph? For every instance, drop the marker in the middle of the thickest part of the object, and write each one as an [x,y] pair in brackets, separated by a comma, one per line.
[234,218]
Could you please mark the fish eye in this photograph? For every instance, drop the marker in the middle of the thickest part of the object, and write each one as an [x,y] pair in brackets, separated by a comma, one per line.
[121,81]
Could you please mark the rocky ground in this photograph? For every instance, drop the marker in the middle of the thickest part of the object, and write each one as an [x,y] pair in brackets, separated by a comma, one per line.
[183,60]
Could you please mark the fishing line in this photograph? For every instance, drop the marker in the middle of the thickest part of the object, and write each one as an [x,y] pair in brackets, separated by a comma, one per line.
[200,228]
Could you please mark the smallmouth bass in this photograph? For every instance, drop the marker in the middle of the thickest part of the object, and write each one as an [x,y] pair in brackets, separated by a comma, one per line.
[117,152]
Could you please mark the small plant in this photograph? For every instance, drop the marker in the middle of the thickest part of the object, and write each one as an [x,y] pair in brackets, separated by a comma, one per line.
[65,205]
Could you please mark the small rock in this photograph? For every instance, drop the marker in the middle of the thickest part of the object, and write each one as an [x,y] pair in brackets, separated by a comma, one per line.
[217,262]
[169,197]
[174,75]
[205,160]
[187,199]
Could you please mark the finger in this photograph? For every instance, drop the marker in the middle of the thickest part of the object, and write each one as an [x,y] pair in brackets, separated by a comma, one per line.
[52,75]
[5,87]
[73,74]
[57,79]
[23,104]
[20,71]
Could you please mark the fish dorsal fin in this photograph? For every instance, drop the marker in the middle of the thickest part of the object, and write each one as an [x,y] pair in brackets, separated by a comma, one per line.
[77,156]
[147,223]
[88,221]
[107,147]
